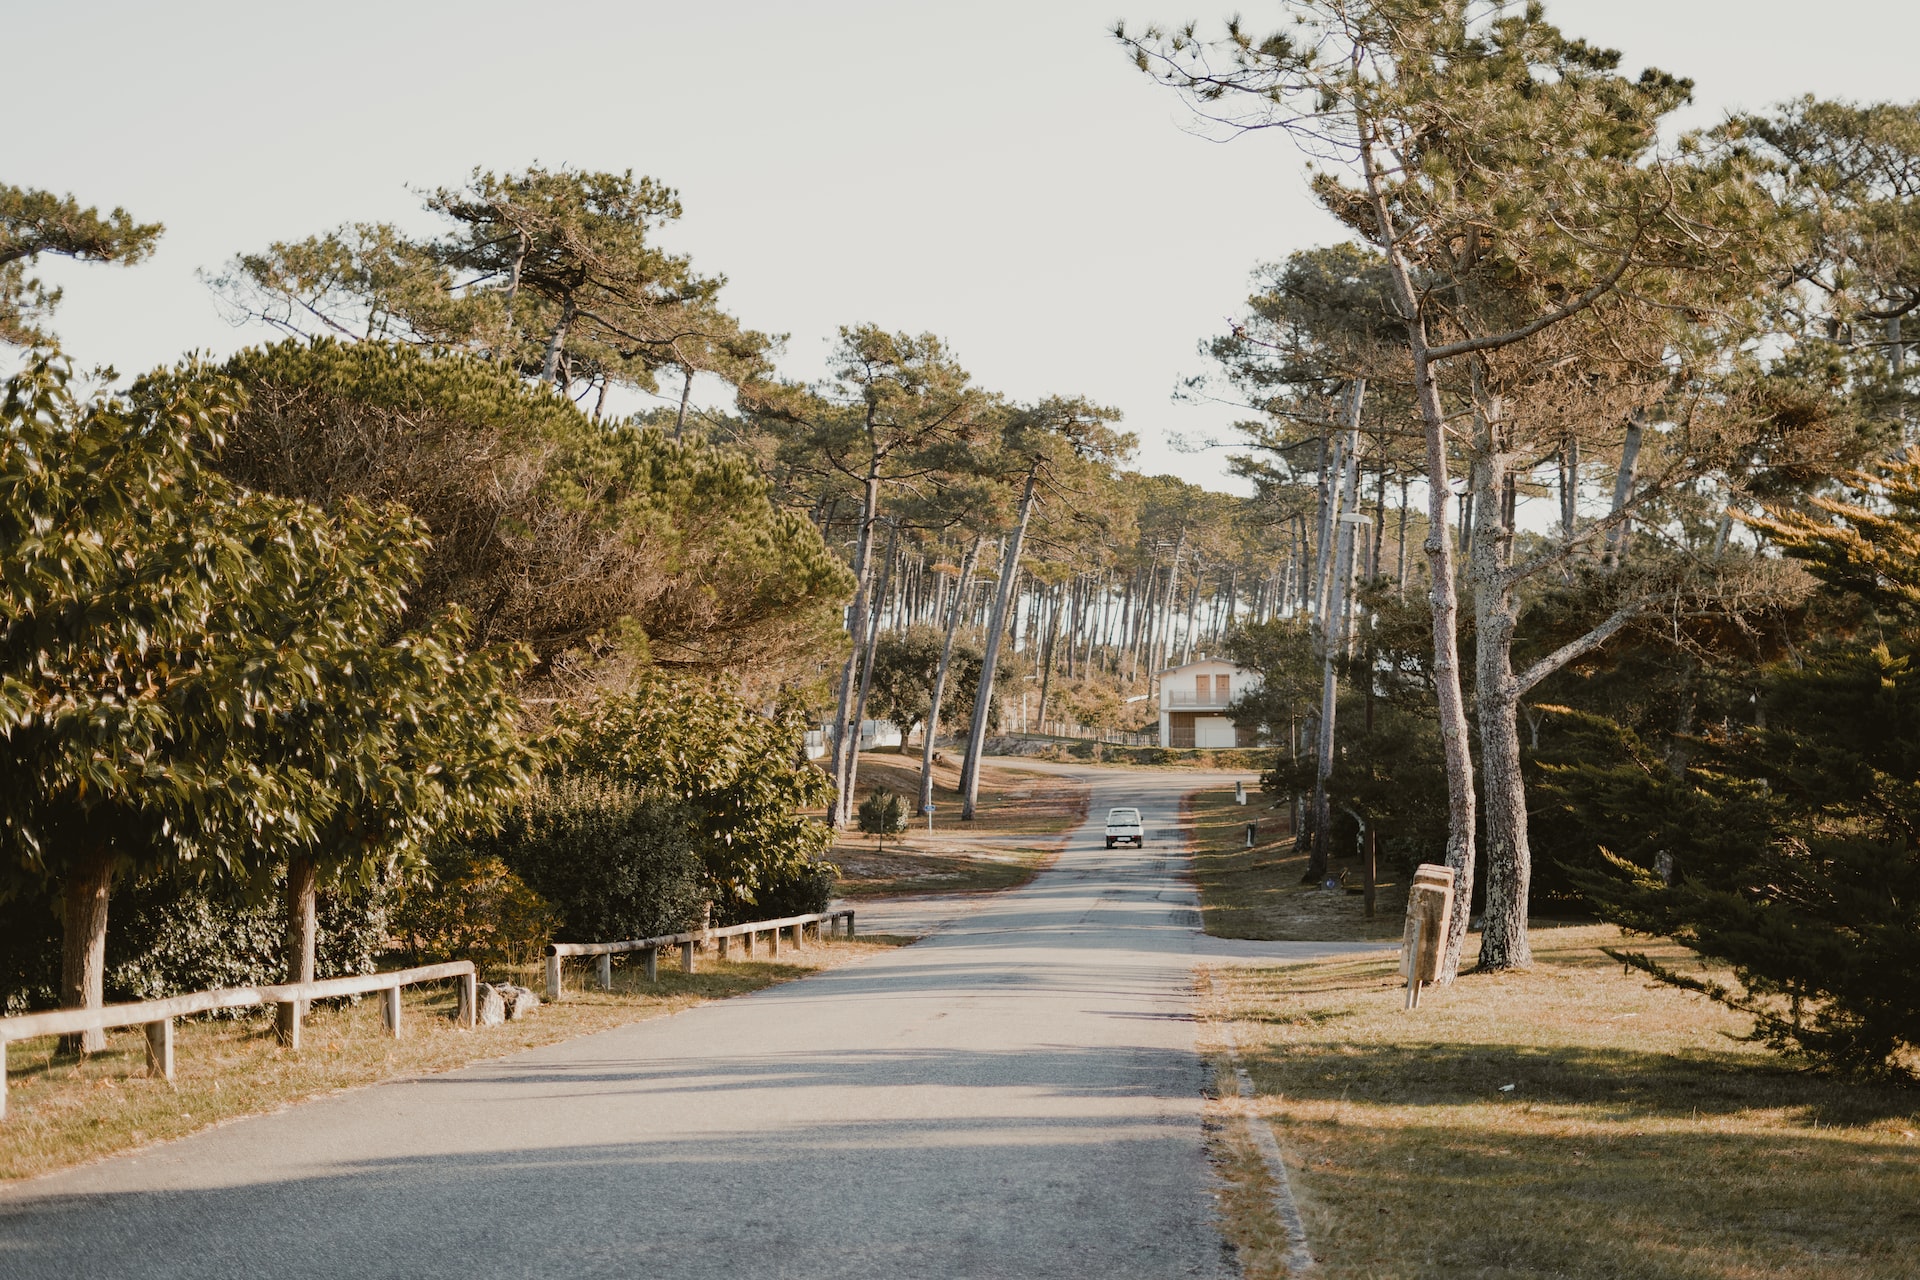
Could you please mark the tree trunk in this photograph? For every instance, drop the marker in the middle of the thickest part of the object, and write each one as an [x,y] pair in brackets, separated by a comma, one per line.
[1341,493]
[869,643]
[967,563]
[1047,648]
[1616,545]
[686,394]
[302,932]
[1400,550]
[983,696]
[83,944]
[1443,597]
[856,630]
[1509,859]
[556,343]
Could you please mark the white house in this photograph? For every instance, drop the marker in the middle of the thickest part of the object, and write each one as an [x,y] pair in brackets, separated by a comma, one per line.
[1194,700]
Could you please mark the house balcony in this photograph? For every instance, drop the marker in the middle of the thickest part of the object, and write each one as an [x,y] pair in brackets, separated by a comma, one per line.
[1194,700]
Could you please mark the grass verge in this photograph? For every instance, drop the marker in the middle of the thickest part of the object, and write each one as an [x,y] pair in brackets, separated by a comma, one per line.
[64,1111]
[1571,1121]
[1256,893]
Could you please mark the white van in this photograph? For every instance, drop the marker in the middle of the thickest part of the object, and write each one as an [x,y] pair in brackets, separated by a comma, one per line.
[1124,824]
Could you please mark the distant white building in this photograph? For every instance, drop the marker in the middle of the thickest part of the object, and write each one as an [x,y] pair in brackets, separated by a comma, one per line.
[873,734]
[1193,704]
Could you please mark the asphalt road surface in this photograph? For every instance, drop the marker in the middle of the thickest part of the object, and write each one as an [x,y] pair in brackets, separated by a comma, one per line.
[1016,1095]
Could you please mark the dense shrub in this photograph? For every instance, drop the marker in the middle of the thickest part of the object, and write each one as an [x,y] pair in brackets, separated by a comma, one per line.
[171,936]
[741,775]
[799,891]
[612,860]
[473,907]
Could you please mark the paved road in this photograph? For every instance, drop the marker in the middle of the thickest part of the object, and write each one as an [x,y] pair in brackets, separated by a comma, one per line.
[1017,1095]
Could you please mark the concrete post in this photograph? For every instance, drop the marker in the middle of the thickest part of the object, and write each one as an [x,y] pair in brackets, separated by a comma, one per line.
[653,963]
[686,957]
[390,1010]
[469,1011]
[606,971]
[553,978]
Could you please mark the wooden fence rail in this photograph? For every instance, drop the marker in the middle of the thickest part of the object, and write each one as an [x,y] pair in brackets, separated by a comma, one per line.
[157,1015]
[650,947]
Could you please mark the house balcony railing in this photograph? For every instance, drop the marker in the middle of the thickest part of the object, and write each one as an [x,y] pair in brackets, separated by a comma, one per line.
[1194,700]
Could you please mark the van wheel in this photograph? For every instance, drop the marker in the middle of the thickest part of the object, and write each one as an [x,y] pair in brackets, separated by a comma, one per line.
[1109,842]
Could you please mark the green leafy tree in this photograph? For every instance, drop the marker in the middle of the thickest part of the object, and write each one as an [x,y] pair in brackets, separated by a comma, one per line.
[744,775]
[906,668]
[36,223]
[199,679]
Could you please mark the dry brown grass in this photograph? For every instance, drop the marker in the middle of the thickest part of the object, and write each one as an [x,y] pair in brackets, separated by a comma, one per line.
[1256,893]
[1638,1139]
[910,868]
[1022,817]
[67,1111]
[1012,800]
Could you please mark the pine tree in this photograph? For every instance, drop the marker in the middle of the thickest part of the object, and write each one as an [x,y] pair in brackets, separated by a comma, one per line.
[1790,848]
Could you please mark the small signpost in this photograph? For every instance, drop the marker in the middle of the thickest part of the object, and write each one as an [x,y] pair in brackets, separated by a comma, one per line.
[1429,908]
[1239,792]
[928,810]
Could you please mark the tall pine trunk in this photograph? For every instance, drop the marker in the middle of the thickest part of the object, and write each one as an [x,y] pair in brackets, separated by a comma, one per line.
[967,563]
[1508,857]
[983,696]
[870,643]
[1342,494]
[843,744]
[1444,597]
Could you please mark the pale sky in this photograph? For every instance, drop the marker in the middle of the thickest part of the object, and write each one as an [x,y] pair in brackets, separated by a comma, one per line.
[994,172]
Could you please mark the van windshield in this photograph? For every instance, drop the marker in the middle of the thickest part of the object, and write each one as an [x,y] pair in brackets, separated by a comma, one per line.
[1123,815]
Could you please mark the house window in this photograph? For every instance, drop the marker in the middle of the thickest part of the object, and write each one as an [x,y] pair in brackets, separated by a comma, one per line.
[1221,689]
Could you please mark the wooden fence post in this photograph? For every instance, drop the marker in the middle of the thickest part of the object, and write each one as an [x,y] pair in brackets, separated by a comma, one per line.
[390,1010]
[720,945]
[773,944]
[849,924]
[160,1049]
[553,978]
[606,971]
[287,1025]
[469,1011]
[686,957]
[653,963]
[746,944]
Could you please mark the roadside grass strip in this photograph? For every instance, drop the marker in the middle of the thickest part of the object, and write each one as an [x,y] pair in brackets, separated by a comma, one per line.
[1256,892]
[1571,1121]
[66,1110]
